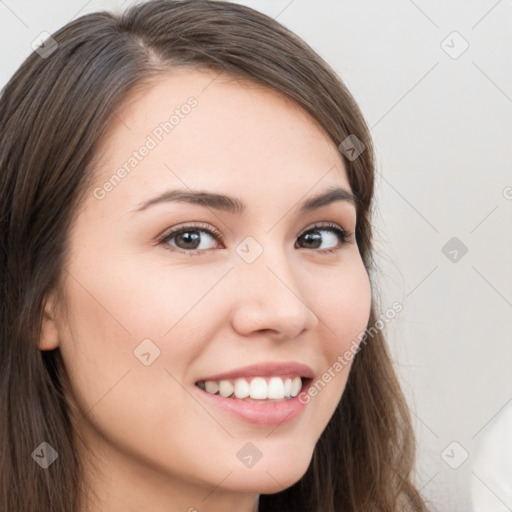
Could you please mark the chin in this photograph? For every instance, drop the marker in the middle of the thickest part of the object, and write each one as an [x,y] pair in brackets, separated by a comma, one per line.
[268,478]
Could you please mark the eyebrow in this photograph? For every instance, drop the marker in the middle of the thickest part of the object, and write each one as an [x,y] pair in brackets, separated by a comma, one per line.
[235,206]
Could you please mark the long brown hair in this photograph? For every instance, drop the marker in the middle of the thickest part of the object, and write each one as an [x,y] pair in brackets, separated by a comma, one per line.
[54,112]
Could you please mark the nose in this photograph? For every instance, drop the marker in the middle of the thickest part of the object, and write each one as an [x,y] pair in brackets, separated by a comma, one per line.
[269,300]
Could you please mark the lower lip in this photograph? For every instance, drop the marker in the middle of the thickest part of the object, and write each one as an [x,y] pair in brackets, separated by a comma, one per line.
[264,413]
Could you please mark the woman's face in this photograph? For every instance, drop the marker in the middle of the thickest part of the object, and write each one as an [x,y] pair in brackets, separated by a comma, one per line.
[149,313]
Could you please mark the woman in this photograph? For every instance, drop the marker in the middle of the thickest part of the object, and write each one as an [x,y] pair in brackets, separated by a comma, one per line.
[188,320]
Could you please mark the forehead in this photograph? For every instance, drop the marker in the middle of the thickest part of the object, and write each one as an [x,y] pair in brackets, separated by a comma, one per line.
[201,129]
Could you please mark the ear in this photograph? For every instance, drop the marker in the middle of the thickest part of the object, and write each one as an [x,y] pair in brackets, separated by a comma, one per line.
[49,337]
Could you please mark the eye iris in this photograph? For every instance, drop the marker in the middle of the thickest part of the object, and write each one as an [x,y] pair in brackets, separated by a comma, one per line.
[313,237]
[189,236]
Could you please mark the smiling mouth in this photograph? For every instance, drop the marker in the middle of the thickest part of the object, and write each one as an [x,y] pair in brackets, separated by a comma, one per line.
[256,389]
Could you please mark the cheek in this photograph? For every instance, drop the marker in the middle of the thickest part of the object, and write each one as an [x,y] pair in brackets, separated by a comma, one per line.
[107,319]
[95,342]
[344,308]
[115,305]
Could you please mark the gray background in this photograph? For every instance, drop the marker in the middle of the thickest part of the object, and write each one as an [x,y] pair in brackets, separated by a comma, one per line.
[442,125]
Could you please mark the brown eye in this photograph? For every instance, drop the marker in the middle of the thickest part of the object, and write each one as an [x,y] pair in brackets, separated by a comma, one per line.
[191,239]
[328,238]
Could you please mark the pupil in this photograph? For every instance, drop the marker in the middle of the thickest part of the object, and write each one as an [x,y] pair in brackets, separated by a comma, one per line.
[189,238]
[313,237]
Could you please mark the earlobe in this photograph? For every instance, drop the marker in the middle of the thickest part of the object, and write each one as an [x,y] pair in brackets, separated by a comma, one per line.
[49,337]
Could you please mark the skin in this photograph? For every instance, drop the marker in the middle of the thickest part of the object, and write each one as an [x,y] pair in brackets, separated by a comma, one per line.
[154,446]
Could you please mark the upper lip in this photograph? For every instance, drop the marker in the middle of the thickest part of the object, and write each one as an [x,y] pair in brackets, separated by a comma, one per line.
[286,368]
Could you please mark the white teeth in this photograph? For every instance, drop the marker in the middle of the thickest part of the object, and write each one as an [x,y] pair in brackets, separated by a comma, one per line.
[296,385]
[277,388]
[225,388]
[259,388]
[242,388]
[288,387]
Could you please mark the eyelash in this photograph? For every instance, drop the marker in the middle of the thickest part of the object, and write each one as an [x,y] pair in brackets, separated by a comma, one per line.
[343,235]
